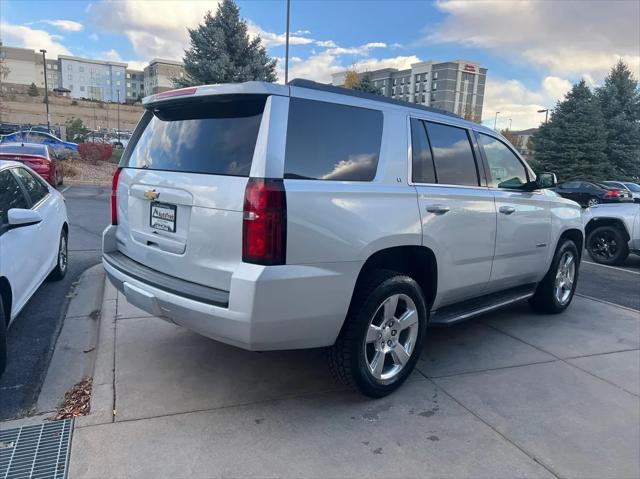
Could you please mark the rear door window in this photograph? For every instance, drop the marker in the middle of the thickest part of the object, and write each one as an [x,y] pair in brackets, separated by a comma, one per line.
[422,169]
[329,141]
[11,195]
[452,155]
[214,135]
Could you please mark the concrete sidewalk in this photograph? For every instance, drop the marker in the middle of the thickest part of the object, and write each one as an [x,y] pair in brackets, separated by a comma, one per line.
[512,394]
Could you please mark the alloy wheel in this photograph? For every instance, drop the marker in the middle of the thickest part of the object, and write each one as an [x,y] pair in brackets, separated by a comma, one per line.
[62,253]
[391,337]
[565,277]
[604,245]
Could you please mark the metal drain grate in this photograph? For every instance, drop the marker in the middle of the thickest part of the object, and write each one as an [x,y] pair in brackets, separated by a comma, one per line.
[37,451]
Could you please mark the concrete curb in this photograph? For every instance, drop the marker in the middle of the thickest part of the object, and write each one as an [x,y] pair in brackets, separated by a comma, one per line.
[103,389]
[74,353]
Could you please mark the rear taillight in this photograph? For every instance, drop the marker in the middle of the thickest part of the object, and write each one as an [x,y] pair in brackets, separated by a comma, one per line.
[114,197]
[612,194]
[264,224]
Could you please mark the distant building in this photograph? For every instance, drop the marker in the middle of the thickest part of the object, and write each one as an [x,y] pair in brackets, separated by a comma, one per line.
[135,84]
[159,75]
[24,67]
[456,86]
[93,79]
[53,74]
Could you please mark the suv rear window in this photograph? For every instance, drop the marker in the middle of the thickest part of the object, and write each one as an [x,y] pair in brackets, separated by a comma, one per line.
[329,141]
[214,135]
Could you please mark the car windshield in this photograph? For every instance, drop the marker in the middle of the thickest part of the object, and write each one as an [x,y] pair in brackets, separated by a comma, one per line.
[633,187]
[22,150]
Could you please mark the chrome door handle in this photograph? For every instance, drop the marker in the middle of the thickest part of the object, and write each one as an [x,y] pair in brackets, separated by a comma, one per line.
[507,210]
[438,209]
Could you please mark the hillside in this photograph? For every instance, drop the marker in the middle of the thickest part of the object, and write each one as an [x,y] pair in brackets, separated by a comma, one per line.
[19,108]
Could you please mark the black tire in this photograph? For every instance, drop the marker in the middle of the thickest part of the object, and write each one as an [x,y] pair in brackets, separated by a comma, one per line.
[607,245]
[348,356]
[544,300]
[60,270]
[3,339]
[592,201]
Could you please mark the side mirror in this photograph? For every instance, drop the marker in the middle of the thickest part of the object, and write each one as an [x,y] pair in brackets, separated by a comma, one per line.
[547,180]
[19,217]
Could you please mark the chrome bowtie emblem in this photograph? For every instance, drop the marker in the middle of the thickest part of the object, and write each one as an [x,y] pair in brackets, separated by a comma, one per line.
[151,195]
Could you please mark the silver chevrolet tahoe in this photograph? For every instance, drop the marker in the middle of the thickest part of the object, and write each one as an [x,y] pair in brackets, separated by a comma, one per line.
[278,217]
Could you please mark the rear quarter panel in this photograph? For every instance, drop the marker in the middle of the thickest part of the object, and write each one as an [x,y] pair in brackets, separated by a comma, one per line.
[335,221]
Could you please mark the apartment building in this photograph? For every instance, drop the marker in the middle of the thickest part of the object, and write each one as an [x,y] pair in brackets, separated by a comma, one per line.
[159,75]
[93,79]
[22,67]
[134,84]
[456,86]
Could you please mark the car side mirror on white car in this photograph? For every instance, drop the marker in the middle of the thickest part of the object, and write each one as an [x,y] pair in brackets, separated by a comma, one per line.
[19,217]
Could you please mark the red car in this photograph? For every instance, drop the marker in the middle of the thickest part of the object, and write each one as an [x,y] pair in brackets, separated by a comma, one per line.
[38,157]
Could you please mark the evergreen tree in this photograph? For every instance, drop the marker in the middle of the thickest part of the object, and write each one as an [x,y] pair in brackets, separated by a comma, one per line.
[620,103]
[366,85]
[573,142]
[33,90]
[221,51]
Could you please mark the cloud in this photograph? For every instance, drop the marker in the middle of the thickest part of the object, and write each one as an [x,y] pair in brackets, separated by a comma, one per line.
[270,39]
[514,100]
[565,38]
[155,29]
[94,36]
[326,44]
[65,25]
[27,37]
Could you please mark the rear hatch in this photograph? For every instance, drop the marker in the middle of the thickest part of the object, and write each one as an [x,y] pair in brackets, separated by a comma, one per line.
[181,188]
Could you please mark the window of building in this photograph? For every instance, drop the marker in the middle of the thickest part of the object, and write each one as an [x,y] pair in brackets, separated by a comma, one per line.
[48,66]
[424,99]
[55,67]
[435,75]
[117,73]
[70,76]
[393,90]
[452,155]
[128,75]
[434,86]
[433,97]
[69,67]
[329,141]
[505,169]
[395,81]
[417,78]
[108,82]
[128,84]
[80,68]
[82,88]
[422,168]
[402,81]
[81,77]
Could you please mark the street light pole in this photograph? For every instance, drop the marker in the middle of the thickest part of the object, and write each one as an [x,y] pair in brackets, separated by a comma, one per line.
[286,48]
[510,124]
[546,114]
[495,120]
[118,116]
[46,87]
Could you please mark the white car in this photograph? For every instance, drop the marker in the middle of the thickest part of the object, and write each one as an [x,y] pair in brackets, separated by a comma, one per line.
[279,217]
[33,240]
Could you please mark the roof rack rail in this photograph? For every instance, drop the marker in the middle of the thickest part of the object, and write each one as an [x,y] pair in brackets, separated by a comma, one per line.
[302,83]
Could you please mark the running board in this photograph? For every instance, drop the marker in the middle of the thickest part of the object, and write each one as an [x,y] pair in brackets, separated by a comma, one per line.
[455,313]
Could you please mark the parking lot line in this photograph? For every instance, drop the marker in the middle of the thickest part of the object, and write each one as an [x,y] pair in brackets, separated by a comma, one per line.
[64,189]
[611,267]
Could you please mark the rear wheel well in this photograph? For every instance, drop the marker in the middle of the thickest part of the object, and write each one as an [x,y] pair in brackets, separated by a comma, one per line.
[418,262]
[65,228]
[614,222]
[575,236]
[5,294]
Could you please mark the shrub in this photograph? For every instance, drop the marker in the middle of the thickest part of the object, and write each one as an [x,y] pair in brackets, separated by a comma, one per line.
[95,152]
[69,170]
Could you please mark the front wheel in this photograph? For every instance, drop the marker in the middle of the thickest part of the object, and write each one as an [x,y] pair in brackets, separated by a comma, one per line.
[556,290]
[382,336]
[606,245]
[60,270]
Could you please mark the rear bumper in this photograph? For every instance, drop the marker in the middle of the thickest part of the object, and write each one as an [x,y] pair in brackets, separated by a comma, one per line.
[267,308]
